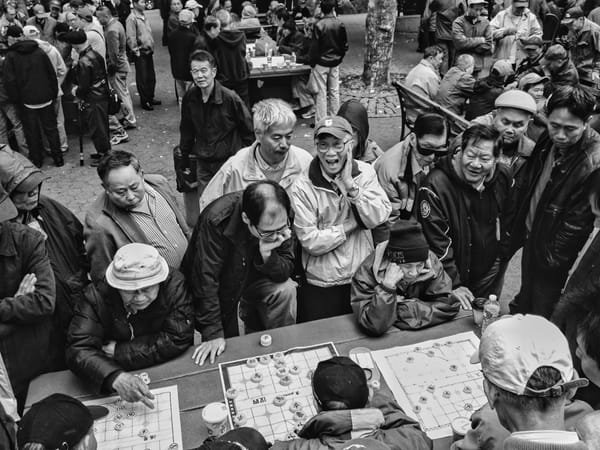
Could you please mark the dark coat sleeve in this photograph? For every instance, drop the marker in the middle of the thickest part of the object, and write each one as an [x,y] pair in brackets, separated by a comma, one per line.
[84,354]
[10,80]
[175,336]
[245,127]
[100,246]
[186,126]
[31,308]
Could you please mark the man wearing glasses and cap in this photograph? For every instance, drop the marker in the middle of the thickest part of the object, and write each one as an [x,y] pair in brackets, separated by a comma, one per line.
[461,206]
[337,204]
[241,253]
[402,169]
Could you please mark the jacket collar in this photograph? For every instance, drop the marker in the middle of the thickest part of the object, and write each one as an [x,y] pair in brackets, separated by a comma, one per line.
[315,174]
[251,171]
[215,97]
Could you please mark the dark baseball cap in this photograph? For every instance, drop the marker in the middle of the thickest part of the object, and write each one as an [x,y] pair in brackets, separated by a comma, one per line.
[573,13]
[76,37]
[340,379]
[58,421]
[14,31]
[334,125]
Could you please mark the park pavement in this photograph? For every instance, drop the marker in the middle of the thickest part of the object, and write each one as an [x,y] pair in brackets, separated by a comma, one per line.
[158,131]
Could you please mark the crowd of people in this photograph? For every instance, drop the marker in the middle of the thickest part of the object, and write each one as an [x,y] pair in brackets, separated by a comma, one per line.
[272,234]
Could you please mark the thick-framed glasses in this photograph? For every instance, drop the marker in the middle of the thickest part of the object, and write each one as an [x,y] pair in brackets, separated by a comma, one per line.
[323,146]
[273,233]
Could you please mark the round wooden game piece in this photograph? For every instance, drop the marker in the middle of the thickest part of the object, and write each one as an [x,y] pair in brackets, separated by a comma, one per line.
[437,344]
[279,400]
[374,384]
[173,446]
[431,388]
[266,340]
[467,389]
[118,417]
[131,414]
[294,370]
[417,349]
[296,406]
[430,353]
[119,426]
[410,360]
[281,372]
[252,362]
[264,359]
[143,432]
[423,399]
[285,380]
[240,420]
[446,394]
[468,407]
[256,377]
[279,364]
[453,367]
[231,393]
[279,356]
[299,416]
[417,408]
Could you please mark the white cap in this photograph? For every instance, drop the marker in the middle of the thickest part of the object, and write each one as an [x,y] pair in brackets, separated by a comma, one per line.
[136,266]
[514,347]
[30,31]
[476,2]
[516,99]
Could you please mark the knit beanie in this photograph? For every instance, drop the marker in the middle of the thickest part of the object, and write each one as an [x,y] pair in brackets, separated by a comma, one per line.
[407,243]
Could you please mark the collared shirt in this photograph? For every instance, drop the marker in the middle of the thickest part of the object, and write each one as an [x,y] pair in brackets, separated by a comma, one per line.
[159,224]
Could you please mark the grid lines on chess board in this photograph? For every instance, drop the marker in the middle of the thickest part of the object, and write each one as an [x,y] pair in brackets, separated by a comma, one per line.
[255,399]
[439,382]
[156,421]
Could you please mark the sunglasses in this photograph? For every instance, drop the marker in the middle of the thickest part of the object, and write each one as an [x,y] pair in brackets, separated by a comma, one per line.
[427,151]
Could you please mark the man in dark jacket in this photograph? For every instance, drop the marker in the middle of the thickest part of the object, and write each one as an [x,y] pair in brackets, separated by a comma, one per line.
[229,50]
[140,315]
[328,48]
[242,246]
[554,217]
[472,34]
[30,80]
[92,91]
[181,45]
[63,237]
[533,47]
[461,206]
[402,283]
[559,67]
[215,123]
[348,407]
[26,300]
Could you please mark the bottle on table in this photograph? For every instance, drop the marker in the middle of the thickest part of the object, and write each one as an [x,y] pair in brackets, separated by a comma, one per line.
[269,55]
[491,312]
[293,59]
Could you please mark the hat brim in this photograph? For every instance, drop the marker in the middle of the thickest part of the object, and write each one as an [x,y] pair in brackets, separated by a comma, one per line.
[141,283]
[97,411]
[335,132]
[31,182]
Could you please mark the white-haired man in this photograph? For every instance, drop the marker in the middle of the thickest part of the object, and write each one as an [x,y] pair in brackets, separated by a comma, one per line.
[270,157]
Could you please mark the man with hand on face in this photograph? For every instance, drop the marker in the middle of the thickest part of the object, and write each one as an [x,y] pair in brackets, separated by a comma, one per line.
[270,157]
[140,315]
[241,252]
[337,204]
[215,124]
[461,206]
[402,283]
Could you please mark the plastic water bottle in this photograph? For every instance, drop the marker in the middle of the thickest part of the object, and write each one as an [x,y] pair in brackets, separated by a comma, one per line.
[491,312]
[293,60]
[269,56]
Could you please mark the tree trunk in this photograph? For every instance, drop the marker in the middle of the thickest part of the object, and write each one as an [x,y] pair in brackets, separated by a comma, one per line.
[379,41]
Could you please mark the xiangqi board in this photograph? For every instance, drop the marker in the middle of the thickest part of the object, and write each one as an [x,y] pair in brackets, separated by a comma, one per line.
[273,392]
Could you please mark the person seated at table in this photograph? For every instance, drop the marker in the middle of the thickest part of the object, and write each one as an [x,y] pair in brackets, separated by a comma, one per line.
[457,85]
[337,205]
[249,19]
[271,156]
[63,239]
[27,299]
[139,316]
[348,407]
[402,169]
[356,114]
[486,90]
[242,252]
[59,421]
[424,79]
[528,379]
[402,283]
[237,439]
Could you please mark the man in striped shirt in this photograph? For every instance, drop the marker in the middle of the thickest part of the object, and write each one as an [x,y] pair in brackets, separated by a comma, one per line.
[132,208]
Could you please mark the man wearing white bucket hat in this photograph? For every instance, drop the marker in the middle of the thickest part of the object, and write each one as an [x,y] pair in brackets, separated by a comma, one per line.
[140,315]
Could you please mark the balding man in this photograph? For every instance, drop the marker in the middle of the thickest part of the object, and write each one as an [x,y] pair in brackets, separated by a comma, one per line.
[241,251]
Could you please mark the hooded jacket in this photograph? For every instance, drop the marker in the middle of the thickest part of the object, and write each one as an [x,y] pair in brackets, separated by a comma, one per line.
[463,226]
[230,53]
[485,92]
[419,303]
[181,46]
[356,114]
[29,77]
[382,420]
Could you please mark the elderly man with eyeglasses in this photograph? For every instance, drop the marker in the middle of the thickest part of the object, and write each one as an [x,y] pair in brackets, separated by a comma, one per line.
[241,253]
[337,204]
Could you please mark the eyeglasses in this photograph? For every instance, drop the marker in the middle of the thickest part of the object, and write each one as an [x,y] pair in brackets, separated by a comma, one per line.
[323,146]
[427,151]
[203,71]
[273,233]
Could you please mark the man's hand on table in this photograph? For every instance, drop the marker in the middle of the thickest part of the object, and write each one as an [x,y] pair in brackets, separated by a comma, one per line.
[464,296]
[209,348]
[132,389]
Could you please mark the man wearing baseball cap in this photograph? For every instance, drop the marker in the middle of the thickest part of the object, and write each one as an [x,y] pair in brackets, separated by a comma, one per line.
[472,34]
[140,315]
[59,422]
[533,48]
[510,26]
[560,68]
[584,45]
[337,204]
[348,408]
[43,22]
[529,380]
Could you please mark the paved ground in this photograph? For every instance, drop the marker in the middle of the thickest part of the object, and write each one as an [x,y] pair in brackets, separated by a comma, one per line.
[157,131]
